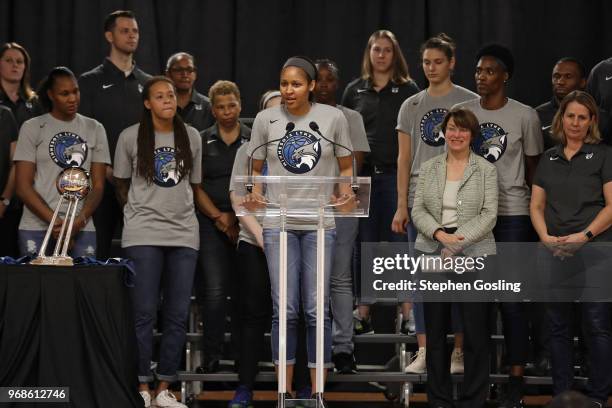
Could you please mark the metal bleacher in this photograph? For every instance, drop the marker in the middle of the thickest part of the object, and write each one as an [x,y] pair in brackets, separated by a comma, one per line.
[396,385]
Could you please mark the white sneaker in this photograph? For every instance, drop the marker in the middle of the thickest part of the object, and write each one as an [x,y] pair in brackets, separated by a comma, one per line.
[457,362]
[418,364]
[146,397]
[167,399]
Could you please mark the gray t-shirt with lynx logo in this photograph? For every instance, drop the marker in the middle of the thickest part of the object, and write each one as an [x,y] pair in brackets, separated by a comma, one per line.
[161,213]
[54,145]
[507,135]
[301,152]
[420,116]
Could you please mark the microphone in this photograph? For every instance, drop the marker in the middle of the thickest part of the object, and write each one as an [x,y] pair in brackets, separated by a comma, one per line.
[354,185]
[249,184]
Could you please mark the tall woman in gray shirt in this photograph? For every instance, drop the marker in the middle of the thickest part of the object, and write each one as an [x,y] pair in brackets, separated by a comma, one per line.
[320,158]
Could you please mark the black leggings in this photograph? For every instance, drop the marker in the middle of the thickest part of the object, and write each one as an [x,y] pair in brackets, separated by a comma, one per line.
[253,305]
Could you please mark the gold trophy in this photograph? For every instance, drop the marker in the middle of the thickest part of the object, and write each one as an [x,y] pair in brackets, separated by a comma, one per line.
[73,185]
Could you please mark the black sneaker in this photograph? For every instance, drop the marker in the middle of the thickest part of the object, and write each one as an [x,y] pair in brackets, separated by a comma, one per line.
[509,402]
[407,328]
[361,325]
[344,363]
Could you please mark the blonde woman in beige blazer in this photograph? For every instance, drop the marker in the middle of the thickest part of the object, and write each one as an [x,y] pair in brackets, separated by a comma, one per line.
[455,210]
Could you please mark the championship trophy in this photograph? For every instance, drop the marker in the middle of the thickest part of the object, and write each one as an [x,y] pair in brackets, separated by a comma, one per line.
[73,185]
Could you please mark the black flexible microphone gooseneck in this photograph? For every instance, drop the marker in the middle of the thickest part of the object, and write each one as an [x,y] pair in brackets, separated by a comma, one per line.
[354,185]
[249,184]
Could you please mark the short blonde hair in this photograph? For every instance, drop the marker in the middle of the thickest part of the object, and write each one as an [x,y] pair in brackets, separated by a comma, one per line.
[223,88]
[593,136]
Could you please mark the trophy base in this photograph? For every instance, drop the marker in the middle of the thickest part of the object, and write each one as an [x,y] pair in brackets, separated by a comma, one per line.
[53,261]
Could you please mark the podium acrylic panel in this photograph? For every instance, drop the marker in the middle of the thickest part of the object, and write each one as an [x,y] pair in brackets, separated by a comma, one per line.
[306,196]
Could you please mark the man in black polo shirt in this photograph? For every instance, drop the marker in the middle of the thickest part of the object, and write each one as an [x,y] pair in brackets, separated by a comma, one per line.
[599,84]
[110,93]
[193,107]
[568,75]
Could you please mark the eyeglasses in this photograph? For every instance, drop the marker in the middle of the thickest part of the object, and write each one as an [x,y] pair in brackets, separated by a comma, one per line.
[183,70]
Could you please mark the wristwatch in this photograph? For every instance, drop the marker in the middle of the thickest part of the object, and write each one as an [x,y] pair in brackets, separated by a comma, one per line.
[5,201]
[588,234]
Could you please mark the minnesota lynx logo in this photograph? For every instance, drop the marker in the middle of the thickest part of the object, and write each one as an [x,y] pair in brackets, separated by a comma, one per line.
[431,133]
[299,151]
[166,172]
[491,143]
[68,150]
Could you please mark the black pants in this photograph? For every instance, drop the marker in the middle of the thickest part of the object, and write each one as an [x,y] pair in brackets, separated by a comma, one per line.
[514,316]
[598,339]
[216,268]
[476,350]
[516,332]
[9,224]
[107,219]
[253,305]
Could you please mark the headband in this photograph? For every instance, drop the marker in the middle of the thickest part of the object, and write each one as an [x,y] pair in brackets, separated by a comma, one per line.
[304,64]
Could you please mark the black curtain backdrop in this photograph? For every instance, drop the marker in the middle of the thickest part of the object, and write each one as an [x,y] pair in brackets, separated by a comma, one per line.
[247,40]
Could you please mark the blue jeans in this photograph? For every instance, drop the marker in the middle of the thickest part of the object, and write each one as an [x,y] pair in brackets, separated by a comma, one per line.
[301,281]
[175,268]
[377,227]
[342,285]
[31,241]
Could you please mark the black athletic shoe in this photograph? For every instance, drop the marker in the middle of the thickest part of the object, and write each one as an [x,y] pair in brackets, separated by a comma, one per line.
[209,367]
[511,403]
[361,325]
[344,363]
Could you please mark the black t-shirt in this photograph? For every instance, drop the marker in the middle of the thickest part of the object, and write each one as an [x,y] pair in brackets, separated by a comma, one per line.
[379,111]
[197,112]
[22,109]
[547,112]
[574,189]
[8,135]
[217,163]
[599,84]
[112,98]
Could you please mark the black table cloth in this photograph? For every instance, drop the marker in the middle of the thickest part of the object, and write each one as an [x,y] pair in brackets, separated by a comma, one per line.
[70,327]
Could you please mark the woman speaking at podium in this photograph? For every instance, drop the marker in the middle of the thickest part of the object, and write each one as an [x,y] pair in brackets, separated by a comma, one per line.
[291,138]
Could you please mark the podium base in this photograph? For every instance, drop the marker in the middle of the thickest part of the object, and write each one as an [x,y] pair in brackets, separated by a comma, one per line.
[53,261]
[316,402]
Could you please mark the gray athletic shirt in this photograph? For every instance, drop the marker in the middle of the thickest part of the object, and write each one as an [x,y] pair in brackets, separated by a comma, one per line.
[241,168]
[359,141]
[420,116]
[507,135]
[54,145]
[161,213]
[301,152]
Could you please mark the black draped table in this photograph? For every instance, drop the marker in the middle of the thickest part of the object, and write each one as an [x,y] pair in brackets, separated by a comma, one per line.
[69,327]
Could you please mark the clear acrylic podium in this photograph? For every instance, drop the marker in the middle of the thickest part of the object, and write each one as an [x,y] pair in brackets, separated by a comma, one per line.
[312,199]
